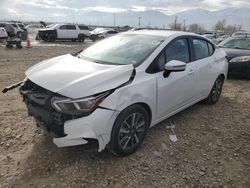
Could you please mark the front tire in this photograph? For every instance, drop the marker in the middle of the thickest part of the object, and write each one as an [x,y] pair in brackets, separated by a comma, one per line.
[51,38]
[215,93]
[129,130]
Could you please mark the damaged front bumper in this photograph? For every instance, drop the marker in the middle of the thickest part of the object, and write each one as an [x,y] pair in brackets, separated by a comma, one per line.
[68,130]
[97,125]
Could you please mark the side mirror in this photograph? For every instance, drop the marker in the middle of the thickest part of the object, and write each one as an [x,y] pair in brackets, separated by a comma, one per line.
[175,66]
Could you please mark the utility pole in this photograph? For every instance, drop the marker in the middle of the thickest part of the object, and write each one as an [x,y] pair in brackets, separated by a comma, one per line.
[175,22]
[114,19]
[139,21]
[184,25]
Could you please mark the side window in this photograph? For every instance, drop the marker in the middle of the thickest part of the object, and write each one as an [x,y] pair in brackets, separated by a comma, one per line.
[71,27]
[63,27]
[83,27]
[112,32]
[178,50]
[200,49]
[210,48]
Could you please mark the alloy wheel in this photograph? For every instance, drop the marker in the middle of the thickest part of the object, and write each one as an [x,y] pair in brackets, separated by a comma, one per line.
[132,131]
[216,91]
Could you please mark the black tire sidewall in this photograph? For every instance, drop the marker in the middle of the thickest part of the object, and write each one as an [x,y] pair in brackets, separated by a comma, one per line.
[209,99]
[113,144]
[51,38]
[81,38]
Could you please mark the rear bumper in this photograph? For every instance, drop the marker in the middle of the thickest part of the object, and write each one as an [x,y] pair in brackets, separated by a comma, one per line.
[97,125]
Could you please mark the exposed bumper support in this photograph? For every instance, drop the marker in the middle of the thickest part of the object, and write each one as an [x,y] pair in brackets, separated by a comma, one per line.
[97,125]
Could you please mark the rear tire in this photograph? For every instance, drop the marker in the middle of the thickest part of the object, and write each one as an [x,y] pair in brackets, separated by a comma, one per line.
[81,38]
[129,130]
[215,93]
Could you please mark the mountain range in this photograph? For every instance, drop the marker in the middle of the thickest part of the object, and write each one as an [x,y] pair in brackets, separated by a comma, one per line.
[153,18]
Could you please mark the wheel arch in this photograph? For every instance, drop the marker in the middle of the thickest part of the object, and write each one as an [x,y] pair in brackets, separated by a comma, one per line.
[222,75]
[147,108]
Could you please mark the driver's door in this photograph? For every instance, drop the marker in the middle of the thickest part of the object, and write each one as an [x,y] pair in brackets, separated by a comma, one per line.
[177,89]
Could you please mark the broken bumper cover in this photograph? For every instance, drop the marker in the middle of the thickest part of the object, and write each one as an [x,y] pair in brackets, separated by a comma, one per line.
[97,125]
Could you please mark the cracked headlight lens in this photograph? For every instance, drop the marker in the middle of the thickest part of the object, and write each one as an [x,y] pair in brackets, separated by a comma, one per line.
[78,106]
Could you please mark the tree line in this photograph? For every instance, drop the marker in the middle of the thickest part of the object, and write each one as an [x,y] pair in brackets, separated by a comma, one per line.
[220,26]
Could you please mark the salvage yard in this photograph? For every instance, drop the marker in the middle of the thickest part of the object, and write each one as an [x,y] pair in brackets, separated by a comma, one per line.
[212,150]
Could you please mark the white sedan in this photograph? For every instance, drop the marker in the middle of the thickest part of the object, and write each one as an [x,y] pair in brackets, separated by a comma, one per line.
[3,33]
[109,94]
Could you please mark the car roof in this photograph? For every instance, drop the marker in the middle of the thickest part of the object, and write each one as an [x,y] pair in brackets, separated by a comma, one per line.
[162,33]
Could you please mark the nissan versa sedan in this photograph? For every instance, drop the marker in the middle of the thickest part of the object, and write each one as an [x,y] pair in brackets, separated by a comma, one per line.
[109,94]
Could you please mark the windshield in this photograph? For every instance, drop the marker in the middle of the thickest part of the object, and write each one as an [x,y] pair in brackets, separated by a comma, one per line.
[236,43]
[122,49]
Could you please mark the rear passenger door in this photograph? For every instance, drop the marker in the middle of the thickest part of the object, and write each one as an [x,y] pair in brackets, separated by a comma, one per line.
[203,53]
[67,32]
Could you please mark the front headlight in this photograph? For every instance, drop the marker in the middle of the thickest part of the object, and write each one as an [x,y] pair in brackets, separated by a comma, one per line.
[240,59]
[78,106]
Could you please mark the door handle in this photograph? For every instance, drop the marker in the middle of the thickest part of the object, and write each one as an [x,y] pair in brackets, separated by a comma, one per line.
[191,71]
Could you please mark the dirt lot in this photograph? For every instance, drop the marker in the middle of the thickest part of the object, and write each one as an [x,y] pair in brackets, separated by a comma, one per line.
[213,147]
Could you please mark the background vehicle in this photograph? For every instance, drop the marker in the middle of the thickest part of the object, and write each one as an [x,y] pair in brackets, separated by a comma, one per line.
[238,54]
[9,29]
[241,34]
[96,30]
[102,33]
[32,29]
[112,92]
[64,32]
[3,33]
[18,30]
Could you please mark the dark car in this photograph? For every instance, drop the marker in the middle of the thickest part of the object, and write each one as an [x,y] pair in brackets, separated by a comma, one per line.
[238,55]
[9,29]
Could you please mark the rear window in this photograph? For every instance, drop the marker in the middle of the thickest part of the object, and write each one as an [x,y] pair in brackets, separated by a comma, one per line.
[83,27]
[71,27]
[68,27]
[2,25]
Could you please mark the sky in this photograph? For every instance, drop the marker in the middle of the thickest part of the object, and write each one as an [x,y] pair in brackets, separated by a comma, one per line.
[50,10]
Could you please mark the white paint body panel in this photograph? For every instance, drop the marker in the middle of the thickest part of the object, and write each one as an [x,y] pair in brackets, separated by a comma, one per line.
[76,78]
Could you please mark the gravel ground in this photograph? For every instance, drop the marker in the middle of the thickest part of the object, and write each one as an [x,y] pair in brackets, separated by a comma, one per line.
[213,147]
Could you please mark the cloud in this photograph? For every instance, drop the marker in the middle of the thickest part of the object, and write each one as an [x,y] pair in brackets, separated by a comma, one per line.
[52,9]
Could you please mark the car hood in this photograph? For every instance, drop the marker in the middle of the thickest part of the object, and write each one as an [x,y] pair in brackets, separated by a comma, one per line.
[231,53]
[75,78]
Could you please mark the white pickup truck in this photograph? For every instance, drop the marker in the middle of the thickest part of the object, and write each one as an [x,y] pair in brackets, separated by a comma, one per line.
[64,32]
